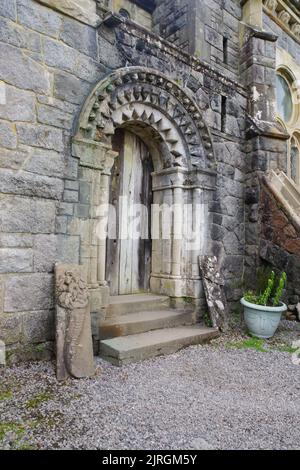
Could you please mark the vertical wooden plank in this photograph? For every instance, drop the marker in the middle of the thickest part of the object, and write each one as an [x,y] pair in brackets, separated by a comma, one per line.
[129,260]
[113,245]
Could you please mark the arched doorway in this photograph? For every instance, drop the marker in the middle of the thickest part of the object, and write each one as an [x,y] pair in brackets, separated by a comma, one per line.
[161,119]
[128,260]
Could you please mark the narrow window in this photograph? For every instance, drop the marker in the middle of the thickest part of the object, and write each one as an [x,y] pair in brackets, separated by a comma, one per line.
[225,50]
[223,114]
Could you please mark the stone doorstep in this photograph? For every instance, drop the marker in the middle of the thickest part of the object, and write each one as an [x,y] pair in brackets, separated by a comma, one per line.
[124,304]
[134,348]
[141,322]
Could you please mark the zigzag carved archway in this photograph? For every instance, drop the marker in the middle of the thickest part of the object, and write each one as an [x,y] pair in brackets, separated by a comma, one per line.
[138,97]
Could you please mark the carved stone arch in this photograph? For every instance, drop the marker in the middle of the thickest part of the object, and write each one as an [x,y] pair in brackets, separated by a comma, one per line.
[170,122]
[154,107]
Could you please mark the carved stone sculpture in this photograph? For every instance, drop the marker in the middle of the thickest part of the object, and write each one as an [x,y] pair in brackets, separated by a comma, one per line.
[74,349]
[271,5]
[214,291]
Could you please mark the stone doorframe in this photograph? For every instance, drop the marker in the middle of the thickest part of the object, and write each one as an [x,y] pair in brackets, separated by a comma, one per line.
[170,123]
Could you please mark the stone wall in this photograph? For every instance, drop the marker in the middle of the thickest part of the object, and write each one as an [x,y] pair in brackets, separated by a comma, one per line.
[49,63]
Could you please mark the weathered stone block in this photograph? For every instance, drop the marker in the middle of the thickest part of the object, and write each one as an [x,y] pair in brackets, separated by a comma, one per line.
[70,60]
[19,106]
[14,34]
[38,327]
[19,70]
[45,248]
[45,162]
[10,328]
[39,18]
[16,240]
[65,208]
[15,260]
[41,136]
[8,9]
[54,117]
[30,184]
[80,37]
[8,136]
[49,249]
[20,214]
[28,292]
[70,196]
[71,184]
[13,159]
[61,224]
[70,88]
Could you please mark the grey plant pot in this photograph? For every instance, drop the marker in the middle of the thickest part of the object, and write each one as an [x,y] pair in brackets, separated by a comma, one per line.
[262,321]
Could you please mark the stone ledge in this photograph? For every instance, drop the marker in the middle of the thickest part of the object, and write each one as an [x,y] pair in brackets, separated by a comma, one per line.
[81,10]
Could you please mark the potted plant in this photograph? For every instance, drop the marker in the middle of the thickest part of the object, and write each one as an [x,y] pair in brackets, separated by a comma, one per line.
[262,311]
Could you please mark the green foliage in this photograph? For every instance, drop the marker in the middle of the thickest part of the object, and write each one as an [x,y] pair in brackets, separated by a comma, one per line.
[251,343]
[265,294]
[264,297]
[279,290]
[38,399]
[6,395]
[251,297]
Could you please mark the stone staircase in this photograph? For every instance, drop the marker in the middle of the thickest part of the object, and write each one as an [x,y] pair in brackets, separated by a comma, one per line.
[141,326]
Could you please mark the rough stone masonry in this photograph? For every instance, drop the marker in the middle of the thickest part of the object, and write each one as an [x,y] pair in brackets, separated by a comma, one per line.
[215,58]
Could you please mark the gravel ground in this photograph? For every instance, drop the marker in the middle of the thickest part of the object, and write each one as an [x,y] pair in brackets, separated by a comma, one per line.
[220,396]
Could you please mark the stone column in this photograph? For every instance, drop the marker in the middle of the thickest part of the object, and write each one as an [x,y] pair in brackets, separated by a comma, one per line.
[266,146]
[177,231]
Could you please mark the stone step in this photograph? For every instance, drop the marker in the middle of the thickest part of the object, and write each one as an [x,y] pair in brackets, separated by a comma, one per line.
[134,348]
[134,323]
[133,303]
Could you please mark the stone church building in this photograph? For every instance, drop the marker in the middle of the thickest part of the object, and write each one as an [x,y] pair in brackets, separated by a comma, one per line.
[159,102]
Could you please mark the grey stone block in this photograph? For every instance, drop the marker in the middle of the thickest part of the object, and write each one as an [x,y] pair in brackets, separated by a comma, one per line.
[10,328]
[54,117]
[61,224]
[19,106]
[41,136]
[65,208]
[45,248]
[80,37]
[19,70]
[13,159]
[71,184]
[70,60]
[82,211]
[58,104]
[45,162]
[12,33]
[85,192]
[70,88]
[39,18]
[8,136]
[50,249]
[16,240]
[38,326]
[30,184]
[68,249]
[16,260]
[20,214]
[29,292]
[8,9]
[70,196]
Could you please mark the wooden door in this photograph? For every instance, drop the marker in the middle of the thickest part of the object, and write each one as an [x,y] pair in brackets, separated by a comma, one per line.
[129,254]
